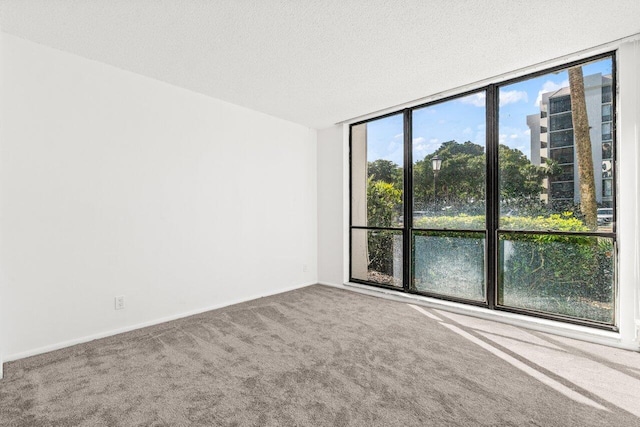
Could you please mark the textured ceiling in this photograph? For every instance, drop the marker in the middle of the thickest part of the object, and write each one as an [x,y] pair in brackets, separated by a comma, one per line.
[324,61]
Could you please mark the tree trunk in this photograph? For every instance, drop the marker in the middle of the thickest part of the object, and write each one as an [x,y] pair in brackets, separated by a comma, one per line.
[582,145]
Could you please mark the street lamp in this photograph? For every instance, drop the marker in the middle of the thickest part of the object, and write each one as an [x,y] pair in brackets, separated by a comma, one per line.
[436,164]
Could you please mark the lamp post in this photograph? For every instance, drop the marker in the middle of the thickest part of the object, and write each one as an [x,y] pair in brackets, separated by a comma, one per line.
[436,164]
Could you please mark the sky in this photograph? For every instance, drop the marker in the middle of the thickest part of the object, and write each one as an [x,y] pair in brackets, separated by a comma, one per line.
[463,119]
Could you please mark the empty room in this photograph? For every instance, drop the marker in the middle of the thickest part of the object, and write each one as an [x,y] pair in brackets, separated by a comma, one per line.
[319,213]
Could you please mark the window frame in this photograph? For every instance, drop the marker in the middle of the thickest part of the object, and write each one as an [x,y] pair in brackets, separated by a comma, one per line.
[492,211]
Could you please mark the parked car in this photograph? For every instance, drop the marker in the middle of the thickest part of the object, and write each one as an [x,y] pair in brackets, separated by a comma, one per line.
[605,216]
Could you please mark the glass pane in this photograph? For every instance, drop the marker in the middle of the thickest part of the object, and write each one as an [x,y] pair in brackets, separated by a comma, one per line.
[606,94]
[566,275]
[560,104]
[377,153]
[560,121]
[376,256]
[606,112]
[565,173]
[553,180]
[606,131]
[562,190]
[562,156]
[449,164]
[562,138]
[450,263]
[607,187]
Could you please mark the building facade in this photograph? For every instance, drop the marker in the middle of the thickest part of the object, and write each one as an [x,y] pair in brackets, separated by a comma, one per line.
[552,138]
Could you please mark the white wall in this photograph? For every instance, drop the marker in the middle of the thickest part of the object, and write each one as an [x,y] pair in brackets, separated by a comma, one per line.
[116,184]
[628,163]
[2,279]
[333,173]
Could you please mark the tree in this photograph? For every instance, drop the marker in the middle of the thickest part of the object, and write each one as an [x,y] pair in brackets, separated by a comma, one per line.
[519,178]
[588,205]
[551,168]
[387,171]
[461,180]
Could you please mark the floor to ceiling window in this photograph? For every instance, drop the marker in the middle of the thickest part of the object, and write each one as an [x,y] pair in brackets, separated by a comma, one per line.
[377,201]
[449,198]
[503,197]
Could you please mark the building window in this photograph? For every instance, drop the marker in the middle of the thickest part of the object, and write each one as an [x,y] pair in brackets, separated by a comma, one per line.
[564,173]
[561,139]
[562,190]
[560,121]
[460,199]
[606,94]
[607,169]
[606,131]
[606,113]
[562,155]
[559,104]
[607,188]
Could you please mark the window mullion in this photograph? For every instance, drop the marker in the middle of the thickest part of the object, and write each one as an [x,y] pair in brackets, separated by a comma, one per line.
[408,201]
[493,196]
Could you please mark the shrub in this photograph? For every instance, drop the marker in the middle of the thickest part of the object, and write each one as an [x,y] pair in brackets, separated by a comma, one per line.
[557,222]
[383,200]
[542,267]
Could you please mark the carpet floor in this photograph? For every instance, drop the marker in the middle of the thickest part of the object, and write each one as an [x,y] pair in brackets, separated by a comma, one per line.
[321,356]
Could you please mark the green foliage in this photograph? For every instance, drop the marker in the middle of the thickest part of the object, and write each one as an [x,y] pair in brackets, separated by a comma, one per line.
[464,222]
[383,205]
[387,171]
[570,271]
[563,274]
[461,180]
[557,222]
[449,263]
[453,148]
[461,177]
[518,177]
[384,201]
[571,275]
[380,246]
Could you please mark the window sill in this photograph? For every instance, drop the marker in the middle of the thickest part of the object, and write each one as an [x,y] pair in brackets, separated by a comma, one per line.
[583,333]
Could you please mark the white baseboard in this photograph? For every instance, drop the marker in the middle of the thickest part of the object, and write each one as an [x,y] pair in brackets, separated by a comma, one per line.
[335,285]
[109,333]
[1,370]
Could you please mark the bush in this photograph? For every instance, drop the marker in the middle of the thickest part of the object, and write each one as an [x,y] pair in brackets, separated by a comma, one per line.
[383,200]
[565,267]
[557,273]
[462,221]
[556,222]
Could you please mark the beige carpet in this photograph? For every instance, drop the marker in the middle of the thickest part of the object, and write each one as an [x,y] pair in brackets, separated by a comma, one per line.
[317,356]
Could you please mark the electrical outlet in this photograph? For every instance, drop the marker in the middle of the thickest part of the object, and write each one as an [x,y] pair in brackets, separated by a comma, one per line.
[119,302]
[305,268]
